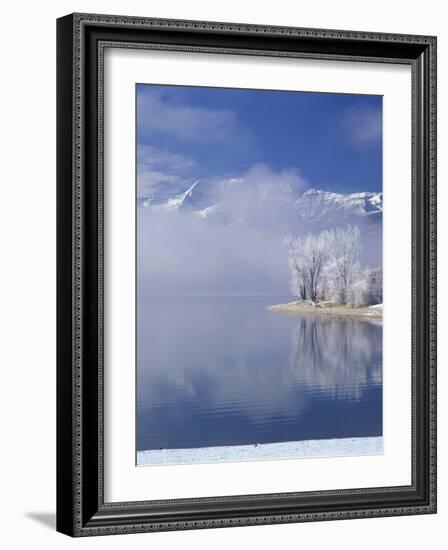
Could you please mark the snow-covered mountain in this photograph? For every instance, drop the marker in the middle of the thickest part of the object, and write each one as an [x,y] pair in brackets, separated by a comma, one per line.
[315,205]
[182,201]
[233,203]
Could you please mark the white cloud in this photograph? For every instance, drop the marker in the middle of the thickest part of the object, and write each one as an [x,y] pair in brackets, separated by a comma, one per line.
[364,124]
[157,167]
[259,183]
[149,156]
[288,180]
[260,195]
[184,122]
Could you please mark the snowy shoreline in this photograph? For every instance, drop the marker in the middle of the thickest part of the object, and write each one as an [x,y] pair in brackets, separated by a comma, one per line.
[319,448]
[330,310]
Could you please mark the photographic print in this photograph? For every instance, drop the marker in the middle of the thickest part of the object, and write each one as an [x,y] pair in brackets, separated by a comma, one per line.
[259,298]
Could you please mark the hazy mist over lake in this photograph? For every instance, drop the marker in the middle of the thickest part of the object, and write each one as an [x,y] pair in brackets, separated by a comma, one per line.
[226,236]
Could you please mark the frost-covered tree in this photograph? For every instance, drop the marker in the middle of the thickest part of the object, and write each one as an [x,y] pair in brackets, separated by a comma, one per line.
[343,269]
[297,279]
[326,267]
[358,291]
[307,258]
[367,288]
[374,286]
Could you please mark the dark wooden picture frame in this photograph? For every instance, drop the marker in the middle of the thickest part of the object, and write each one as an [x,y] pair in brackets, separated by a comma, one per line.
[81,509]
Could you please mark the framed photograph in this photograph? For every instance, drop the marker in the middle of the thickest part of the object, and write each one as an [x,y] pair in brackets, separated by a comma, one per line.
[246,274]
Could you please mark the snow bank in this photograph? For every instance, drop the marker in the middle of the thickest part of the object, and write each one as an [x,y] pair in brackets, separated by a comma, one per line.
[355,446]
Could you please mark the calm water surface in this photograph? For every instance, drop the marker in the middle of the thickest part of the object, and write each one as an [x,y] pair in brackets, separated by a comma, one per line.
[224,371]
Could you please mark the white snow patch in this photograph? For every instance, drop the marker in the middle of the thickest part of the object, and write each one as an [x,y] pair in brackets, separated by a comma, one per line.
[206,212]
[176,202]
[319,448]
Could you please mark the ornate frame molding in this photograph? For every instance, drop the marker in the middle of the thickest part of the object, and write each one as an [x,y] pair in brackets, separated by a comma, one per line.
[82,511]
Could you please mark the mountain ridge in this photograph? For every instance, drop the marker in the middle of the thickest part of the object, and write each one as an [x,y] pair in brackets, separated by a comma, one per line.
[235,204]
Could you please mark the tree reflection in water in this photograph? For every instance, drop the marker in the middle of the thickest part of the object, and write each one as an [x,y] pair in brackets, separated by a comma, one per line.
[335,356]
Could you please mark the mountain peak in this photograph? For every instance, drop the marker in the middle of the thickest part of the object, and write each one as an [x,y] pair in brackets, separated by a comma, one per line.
[320,205]
[312,191]
[189,191]
[178,200]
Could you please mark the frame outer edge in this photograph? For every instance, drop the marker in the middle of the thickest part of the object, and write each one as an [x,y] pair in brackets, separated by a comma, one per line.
[78,221]
[70,517]
[222,26]
[65,387]
[433,274]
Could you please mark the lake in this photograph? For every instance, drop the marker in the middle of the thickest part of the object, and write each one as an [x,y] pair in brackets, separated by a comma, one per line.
[225,371]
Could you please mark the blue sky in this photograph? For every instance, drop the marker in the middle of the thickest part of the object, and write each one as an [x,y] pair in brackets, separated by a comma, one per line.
[330,141]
